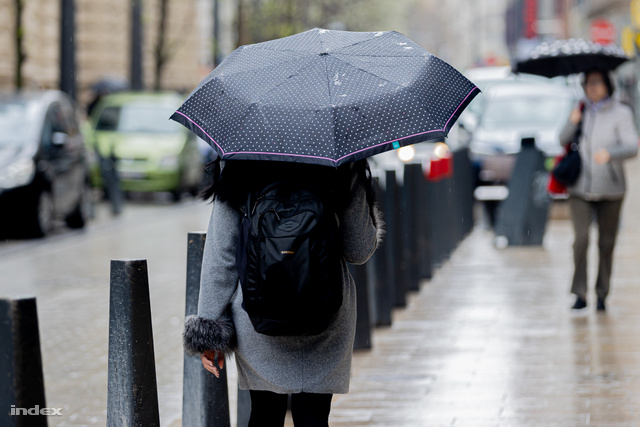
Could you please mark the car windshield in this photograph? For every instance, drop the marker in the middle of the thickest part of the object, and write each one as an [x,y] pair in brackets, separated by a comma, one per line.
[138,117]
[15,122]
[526,111]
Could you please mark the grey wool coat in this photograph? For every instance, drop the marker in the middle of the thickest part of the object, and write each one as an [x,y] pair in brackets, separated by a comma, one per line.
[610,127]
[312,364]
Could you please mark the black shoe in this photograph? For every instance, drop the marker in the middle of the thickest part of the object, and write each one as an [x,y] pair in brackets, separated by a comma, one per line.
[580,303]
[601,306]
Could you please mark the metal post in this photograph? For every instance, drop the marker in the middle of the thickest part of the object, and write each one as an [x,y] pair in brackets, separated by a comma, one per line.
[363,321]
[205,398]
[394,238]
[67,48]
[409,213]
[523,214]
[423,210]
[244,408]
[436,202]
[132,393]
[217,57]
[383,301]
[136,58]
[21,379]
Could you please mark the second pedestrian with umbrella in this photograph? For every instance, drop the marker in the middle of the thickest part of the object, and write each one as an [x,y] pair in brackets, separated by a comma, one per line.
[607,137]
[602,132]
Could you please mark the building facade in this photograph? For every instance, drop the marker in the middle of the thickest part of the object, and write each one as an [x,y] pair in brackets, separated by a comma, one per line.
[102,43]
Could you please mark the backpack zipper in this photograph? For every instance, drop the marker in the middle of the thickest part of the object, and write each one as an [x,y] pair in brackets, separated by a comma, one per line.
[277,199]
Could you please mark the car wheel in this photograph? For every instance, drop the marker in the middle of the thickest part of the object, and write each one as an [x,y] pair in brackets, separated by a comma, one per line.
[78,218]
[45,215]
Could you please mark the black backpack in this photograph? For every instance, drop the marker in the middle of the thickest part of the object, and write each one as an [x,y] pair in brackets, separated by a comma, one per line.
[288,260]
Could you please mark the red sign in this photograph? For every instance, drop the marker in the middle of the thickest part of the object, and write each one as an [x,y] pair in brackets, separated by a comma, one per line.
[602,31]
[530,17]
[440,168]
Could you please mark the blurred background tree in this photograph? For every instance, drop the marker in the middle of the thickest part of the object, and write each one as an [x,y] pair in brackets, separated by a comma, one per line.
[261,20]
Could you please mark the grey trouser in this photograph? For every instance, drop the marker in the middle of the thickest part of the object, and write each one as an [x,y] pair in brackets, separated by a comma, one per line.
[607,214]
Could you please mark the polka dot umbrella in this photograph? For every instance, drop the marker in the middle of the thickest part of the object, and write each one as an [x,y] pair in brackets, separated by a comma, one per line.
[570,56]
[325,97]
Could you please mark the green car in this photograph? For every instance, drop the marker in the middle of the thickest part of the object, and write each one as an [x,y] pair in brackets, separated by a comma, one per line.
[151,153]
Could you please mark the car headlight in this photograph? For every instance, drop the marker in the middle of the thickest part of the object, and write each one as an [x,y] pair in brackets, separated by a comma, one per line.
[169,162]
[407,153]
[18,173]
[441,150]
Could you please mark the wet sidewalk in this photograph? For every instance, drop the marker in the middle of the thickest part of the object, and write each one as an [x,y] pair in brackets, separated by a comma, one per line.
[492,341]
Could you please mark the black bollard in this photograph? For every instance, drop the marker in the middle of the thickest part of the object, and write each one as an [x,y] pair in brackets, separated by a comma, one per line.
[205,398]
[422,235]
[463,191]
[409,214]
[393,251]
[383,301]
[522,216]
[363,320]
[448,218]
[436,201]
[244,408]
[132,393]
[22,396]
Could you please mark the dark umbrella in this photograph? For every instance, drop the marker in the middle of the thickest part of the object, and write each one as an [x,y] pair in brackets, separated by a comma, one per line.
[572,56]
[325,97]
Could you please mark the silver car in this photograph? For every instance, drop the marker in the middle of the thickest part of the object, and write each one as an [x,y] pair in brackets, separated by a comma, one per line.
[512,111]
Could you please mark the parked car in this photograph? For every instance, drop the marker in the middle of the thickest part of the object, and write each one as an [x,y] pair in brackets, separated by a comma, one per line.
[44,172]
[151,152]
[485,78]
[422,153]
[511,111]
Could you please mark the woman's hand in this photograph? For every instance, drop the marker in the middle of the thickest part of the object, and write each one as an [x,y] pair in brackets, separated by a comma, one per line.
[576,116]
[601,156]
[209,361]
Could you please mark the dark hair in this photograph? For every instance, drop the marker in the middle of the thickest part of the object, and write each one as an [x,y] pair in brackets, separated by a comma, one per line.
[606,79]
[233,181]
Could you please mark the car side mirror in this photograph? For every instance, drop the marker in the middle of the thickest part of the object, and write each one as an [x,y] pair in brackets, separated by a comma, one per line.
[59,139]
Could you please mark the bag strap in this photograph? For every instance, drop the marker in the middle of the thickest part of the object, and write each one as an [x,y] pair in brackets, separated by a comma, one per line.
[578,133]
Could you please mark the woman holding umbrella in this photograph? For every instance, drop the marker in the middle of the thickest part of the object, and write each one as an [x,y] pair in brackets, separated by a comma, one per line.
[306,109]
[608,137]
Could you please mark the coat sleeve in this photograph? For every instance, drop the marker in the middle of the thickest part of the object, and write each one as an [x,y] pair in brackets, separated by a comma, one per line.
[626,136]
[359,236]
[212,328]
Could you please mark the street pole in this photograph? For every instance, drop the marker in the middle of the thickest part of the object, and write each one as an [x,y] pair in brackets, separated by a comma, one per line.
[67,48]
[216,33]
[136,45]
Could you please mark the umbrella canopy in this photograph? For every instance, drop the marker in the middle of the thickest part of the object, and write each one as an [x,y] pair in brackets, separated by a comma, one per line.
[571,56]
[325,97]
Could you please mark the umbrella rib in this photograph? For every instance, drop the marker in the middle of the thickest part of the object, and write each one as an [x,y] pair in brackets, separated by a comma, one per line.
[283,81]
[333,113]
[363,70]
[255,102]
[201,129]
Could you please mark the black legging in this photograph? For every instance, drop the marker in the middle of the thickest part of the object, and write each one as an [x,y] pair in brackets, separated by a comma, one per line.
[268,409]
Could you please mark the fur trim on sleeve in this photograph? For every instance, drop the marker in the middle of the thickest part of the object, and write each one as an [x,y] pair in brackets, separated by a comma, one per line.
[201,334]
[378,222]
